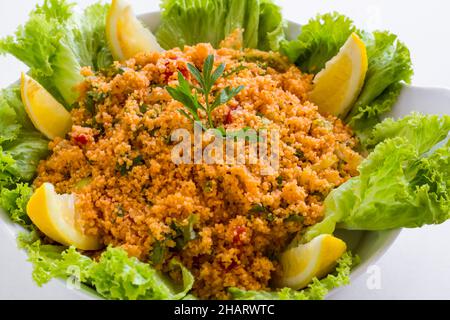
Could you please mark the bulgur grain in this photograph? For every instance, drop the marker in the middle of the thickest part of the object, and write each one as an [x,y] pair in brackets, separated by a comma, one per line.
[231,247]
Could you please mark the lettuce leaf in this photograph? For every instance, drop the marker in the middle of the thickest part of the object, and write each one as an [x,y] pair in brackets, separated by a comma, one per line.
[416,128]
[27,151]
[21,149]
[364,120]
[242,15]
[36,42]
[190,22]
[317,290]
[14,117]
[404,182]
[51,261]
[19,140]
[114,276]
[389,64]
[14,200]
[84,44]
[56,42]
[319,41]
[9,127]
[271,26]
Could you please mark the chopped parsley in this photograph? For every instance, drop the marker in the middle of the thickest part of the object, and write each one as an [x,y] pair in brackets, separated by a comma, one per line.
[185,233]
[300,155]
[158,253]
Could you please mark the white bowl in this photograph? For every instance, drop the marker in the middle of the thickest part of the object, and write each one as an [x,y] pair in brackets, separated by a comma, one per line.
[370,246]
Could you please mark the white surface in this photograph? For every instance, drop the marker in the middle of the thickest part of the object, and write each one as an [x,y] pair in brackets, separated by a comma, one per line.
[417,264]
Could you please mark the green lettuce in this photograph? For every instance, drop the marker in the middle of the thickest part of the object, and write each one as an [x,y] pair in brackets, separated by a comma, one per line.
[363,121]
[114,276]
[319,41]
[9,127]
[210,21]
[14,200]
[242,15]
[421,131]
[21,149]
[13,117]
[271,27]
[27,151]
[317,290]
[389,64]
[21,145]
[56,43]
[404,182]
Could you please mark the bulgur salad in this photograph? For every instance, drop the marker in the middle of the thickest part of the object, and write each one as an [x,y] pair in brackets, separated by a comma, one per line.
[90,162]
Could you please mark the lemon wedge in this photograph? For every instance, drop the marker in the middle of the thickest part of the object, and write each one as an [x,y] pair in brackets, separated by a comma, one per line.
[47,114]
[300,265]
[339,84]
[55,216]
[126,35]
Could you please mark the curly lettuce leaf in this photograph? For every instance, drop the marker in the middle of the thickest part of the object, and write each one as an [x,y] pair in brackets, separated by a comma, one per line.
[369,116]
[7,179]
[241,15]
[396,196]
[319,41]
[114,276]
[51,261]
[420,131]
[19,140]
[9,126]
[36,42]
[389,64]
[21,145]
[27,151]
[14,201]
[190,22]
[16,118]
[404,182]
[84,44]
[317,290]
[271,27]
[21,149]
[56,43]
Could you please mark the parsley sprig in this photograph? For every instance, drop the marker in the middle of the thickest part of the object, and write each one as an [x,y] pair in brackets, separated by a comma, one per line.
[206,80]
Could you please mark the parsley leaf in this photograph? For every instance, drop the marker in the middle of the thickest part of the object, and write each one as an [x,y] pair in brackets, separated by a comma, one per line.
[206,80]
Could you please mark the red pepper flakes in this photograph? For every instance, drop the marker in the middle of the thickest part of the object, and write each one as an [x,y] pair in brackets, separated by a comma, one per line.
[238,234]
[184,71]
[180,67]
[229,118]
[81,139]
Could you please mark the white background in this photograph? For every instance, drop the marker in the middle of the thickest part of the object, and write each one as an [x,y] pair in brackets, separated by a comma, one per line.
[418,264]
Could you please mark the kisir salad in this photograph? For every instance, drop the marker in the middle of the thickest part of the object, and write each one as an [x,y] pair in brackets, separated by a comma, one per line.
[87,146]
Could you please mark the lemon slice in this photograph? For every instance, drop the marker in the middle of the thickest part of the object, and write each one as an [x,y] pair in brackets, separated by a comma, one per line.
[55,216]
[339,84]
[126,35]
[47,114]
[308,261]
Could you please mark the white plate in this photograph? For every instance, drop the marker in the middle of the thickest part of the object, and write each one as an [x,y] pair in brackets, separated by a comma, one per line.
[15,272]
